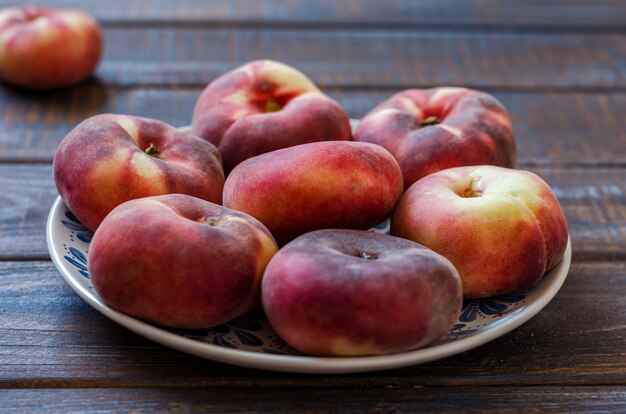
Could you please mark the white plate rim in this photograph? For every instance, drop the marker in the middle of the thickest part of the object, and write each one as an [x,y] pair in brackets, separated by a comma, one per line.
[551,282]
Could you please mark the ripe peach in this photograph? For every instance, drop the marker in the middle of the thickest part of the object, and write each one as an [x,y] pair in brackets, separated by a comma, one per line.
[263,106]
[47,48]
[428,130]
[350,292]
[295,190]
[179,261]
[108,159]
[501,228]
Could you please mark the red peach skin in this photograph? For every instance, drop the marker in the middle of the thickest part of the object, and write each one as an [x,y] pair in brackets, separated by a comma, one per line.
[109,159]
[428,130]
[179,261]
[263,106]
[349,293]
[313,186]
[47,48]
[501,228]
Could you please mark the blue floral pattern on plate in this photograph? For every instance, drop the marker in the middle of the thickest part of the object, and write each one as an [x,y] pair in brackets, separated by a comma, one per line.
[77,259]
[76,227]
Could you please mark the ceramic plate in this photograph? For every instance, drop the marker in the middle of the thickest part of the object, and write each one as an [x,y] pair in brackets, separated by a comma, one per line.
[250,341]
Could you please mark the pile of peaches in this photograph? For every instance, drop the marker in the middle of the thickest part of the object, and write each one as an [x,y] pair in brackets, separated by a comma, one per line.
[269,196]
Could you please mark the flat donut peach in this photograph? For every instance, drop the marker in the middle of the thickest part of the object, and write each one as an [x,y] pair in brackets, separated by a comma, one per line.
[349,292]
[179,261]
[428,130]
[109,159]
[263,106]
[319,185]
[47,48]
[501,228]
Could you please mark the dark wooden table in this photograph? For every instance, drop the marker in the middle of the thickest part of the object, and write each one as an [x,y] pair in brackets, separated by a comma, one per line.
[558,66]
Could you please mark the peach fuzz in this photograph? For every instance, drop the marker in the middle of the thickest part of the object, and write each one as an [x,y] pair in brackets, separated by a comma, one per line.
[340,184]
[428,130]
[109,159]
[47,48]
[501,228]
[179,261]
[349,293]
[263,106]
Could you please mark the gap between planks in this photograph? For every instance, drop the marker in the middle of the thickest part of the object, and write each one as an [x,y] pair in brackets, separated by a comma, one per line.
[199,86]
[371,25]
[316,382]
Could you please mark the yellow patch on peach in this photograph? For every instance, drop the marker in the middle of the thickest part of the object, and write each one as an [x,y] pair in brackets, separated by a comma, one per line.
[523,190]
[443,93]
[107,182]
[267,250]
[288,79]
[342,346]
[239,97]
[324,179]
[75,20]
[410,106]
[3,43]
[144,166]
[453,130]
[129,126]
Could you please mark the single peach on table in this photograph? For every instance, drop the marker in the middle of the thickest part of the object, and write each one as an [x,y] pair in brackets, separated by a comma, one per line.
[348,293]
[43,48]
[501,228]
[428,130]
[109,159]
[179,261]
[263,106]
[340,184]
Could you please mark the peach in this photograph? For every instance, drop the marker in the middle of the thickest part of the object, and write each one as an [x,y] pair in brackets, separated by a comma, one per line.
[349,292]
[428,130]
[263,106]
[501,228]
[47,48]
[179,261]
[109,159]
[340,184]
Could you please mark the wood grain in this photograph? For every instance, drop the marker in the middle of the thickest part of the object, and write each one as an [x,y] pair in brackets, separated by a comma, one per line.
[557,65]
[592,199]
[322,400]
[363,58]
[50,338]
[476,14]
[551,128]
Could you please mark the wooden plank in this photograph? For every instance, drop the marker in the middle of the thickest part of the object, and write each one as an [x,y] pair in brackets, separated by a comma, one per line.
[593,201]
[363,58]
[318,400]
[50,338]
[482,15]
[551,128]
[27,194]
